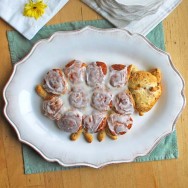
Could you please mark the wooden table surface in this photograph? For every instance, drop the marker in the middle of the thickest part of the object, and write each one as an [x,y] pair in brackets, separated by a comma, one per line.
[168,173]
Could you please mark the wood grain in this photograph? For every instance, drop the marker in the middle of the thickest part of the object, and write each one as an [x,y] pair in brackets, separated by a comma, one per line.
[163,174]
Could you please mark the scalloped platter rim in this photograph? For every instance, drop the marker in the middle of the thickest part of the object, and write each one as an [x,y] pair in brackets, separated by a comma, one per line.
[22,105]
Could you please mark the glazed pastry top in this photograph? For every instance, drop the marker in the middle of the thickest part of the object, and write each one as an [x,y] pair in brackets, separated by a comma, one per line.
[75,71]
[94,122]
[94,74]
[52,107]
[93,96]
[119,124]
[70,121]
[54,82]
[118,75]
[78,98]
[123,103]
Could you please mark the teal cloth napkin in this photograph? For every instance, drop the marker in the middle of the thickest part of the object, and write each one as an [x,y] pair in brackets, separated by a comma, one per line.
[19,47]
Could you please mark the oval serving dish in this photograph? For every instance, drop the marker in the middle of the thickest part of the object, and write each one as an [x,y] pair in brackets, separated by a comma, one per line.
[23,106]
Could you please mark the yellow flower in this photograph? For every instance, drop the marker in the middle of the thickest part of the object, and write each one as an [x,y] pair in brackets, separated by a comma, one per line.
[34,9]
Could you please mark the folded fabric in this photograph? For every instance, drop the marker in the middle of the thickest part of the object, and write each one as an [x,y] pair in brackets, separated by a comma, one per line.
[142,26]
[12,12]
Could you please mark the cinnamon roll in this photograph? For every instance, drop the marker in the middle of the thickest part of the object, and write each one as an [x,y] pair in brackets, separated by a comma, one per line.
[123,103]
[95,73]
[119,124]
[52,107]
[94,122]
[101,99]
[70,121]
[118,75]
[75,71]
[54,82]
[78,98]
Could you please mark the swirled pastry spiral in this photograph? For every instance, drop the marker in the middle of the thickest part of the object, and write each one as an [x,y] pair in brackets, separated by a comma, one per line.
[95,73]
[70,121]
[94,122]
[123,103]
[75,71]
[101,99]
[119,124]
[78,98]
[54,82]
[52,107]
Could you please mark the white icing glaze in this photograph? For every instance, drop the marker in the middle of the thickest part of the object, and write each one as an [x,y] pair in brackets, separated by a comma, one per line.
[94,74]
[78,98]
[54,82]
[118,78]
[119,124]
[70,121]
[101,99]
[52,108]
[75,73]
[92,122]
[123,104]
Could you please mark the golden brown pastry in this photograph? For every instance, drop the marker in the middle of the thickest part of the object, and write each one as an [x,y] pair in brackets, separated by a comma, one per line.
[42,93]
[88,137]
[145,88]
[75,136]
[101,135]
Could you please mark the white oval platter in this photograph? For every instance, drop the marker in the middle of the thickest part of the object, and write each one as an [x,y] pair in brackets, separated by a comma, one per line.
[23,105]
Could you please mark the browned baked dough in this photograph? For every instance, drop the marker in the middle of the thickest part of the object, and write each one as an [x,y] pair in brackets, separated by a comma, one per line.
[72,62]
[88,137]
[145,88]
[75,136]
[101,135]
[157,74]
[103,67]
[42,93]
[118,67]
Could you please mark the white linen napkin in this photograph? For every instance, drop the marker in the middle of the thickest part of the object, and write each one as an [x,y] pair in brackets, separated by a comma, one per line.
[142,26]
[12,12]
